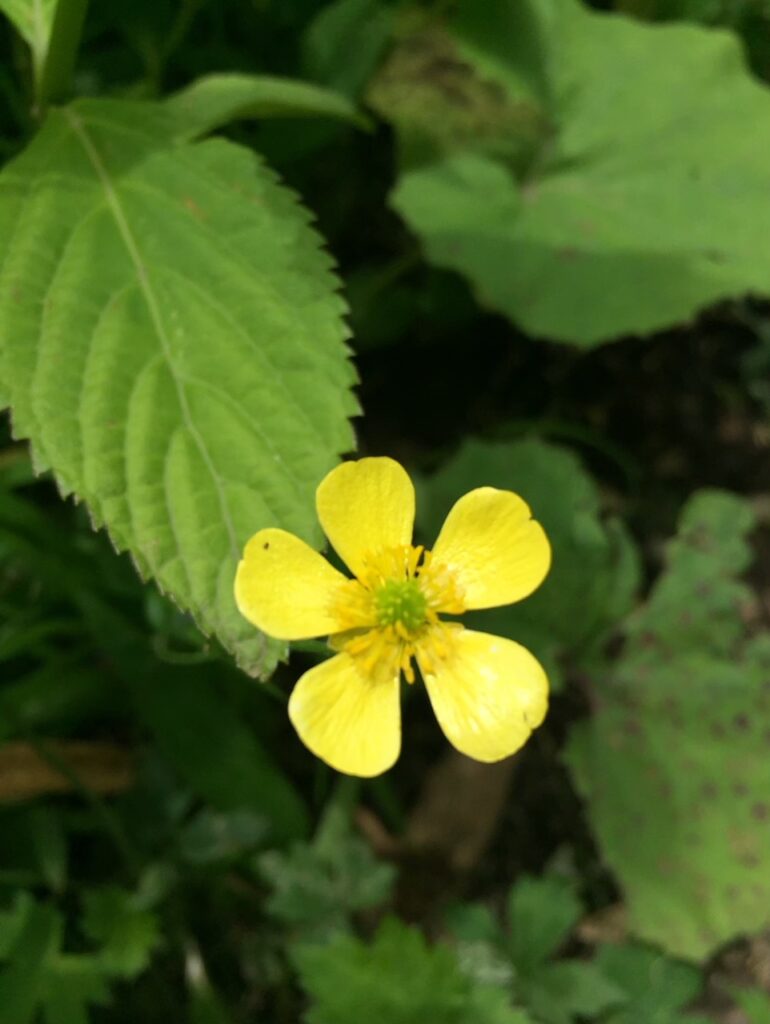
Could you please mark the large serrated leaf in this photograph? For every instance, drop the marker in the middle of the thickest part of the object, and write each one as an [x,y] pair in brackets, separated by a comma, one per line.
[618,182]
[674,762]
[172,344]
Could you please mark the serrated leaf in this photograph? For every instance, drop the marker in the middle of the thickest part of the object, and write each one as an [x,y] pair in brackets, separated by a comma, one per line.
[570,990]
[655,987]
[541,913]
[595,570]
[682,722]
[127,933]
[318,886]
[216,100]
[40,979]
[398,979]
[172,345]
[644,159]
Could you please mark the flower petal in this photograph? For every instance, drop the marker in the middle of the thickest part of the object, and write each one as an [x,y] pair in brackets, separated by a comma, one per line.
[488,694]
[350,720]
[496,552]
[366,506]
[286,588]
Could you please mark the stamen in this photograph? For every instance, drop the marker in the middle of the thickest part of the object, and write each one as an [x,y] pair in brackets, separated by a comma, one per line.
[394,608]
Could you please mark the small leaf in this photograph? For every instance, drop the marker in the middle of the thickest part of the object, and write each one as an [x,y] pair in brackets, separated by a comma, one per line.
[127,933]
[655,987]
[562,992]
[541,914]
[217,100]
[317,886]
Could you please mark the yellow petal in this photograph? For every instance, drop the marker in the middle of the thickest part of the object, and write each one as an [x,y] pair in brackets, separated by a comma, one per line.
[496,552]
[365,507]
[349,720]
[286,588]
[488,694]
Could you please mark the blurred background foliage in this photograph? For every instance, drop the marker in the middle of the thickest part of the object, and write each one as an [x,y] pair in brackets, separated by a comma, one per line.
[550,221]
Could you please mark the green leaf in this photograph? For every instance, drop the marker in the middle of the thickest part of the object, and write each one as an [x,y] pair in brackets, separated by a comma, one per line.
[40,977]
[656,988]
[570,990]
[541,914]
[344,42]
[74,984]
[33,20]
[595,571]
[216,100]
[213,749]
[398,979]
[682,723]
[317,886]
[634,159]
[755,1004]
[127,932]
[52,30]
[212,836]
[35,931]
[172,344]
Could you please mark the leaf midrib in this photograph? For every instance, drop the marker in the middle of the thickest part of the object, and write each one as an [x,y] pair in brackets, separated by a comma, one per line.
[153,307]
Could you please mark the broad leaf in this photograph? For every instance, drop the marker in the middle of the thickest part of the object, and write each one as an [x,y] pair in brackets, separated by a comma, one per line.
[173,346]
[217,100]
[613,179]
[674,763]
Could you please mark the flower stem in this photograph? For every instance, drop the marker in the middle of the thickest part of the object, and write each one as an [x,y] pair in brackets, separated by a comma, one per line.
[53,75]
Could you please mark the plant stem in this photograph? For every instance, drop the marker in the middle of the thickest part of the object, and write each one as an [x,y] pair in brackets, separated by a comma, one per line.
[53,74]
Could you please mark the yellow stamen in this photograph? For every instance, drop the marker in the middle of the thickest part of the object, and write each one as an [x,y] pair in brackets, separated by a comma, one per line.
[393,610]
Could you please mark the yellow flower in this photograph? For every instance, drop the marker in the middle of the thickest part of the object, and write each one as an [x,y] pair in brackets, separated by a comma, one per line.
[488,693]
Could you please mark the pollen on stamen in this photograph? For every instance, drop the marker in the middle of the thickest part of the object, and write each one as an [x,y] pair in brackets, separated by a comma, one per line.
[394,607]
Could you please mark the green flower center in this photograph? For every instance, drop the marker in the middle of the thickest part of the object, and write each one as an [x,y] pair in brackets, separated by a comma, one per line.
[401,601]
